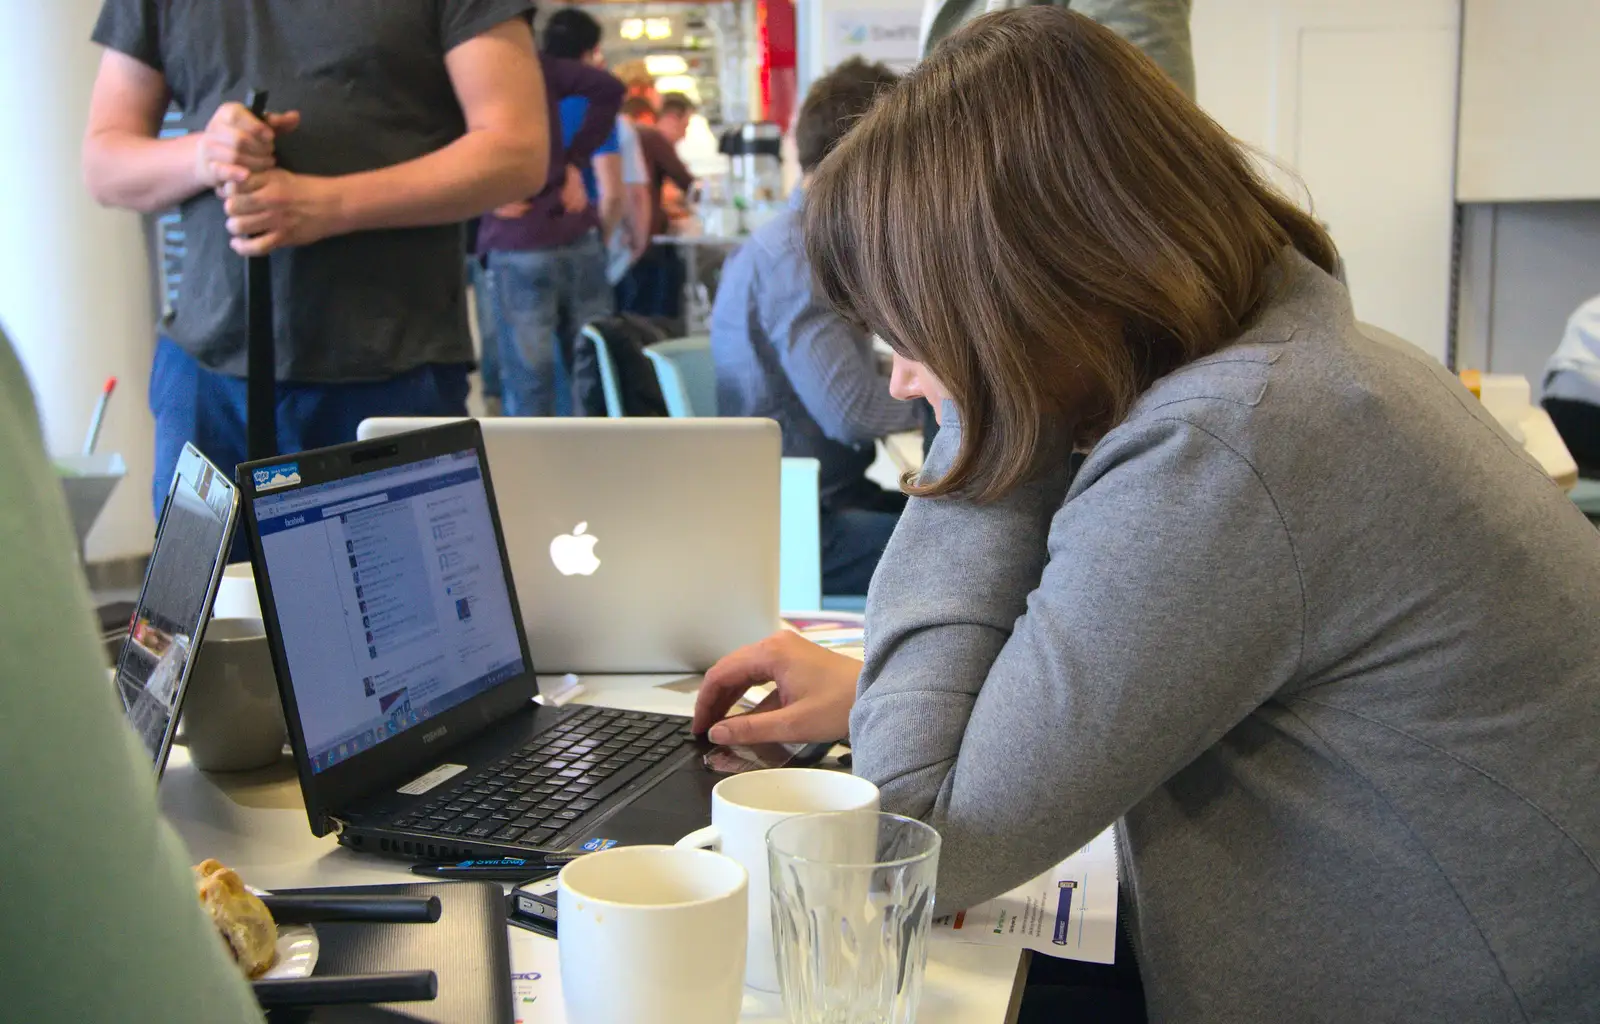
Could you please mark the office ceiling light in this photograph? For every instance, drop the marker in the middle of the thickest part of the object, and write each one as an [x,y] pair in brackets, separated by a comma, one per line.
[657,29]
[631,28]
[659,64]
[680,83]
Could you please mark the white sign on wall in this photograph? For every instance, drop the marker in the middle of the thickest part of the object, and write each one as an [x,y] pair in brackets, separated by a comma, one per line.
[888,34]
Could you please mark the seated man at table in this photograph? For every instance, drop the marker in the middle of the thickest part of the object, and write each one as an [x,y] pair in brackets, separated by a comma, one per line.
[99,920]
[782,353]
[1572,387]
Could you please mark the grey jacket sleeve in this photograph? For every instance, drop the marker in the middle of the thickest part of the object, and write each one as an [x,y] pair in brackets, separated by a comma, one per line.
[1034,669]
[1158,27]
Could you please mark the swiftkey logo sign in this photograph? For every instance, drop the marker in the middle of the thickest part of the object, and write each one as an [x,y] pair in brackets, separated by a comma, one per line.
[285,474]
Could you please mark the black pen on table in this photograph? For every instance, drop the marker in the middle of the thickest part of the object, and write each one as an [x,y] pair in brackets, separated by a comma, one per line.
[261,362]
[498,869]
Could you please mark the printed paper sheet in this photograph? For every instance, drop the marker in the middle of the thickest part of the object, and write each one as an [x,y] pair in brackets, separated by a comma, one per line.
[1069,911]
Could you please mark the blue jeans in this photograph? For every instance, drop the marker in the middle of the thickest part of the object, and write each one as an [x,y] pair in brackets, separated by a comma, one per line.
[544,299]
[855,528]
[194,405]
[488,325]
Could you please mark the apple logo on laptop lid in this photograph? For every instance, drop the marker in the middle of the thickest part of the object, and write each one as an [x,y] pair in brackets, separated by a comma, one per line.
[573,553]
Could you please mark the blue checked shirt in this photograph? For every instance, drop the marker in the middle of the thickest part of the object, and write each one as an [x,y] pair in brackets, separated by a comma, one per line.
[783,354]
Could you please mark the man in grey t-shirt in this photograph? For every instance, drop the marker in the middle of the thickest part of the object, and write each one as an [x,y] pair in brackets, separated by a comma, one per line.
[401,119]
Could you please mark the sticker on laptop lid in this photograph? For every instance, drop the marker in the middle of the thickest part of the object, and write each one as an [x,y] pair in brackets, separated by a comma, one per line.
[443,773]
[284,474]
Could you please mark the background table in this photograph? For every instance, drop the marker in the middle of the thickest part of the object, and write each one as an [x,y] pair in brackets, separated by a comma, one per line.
[256,822]
[697,309]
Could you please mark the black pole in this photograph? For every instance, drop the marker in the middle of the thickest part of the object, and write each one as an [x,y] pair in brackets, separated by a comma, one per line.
[261,402]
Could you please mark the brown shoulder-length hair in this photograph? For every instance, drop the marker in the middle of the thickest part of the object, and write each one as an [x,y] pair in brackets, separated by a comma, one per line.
[1040,217]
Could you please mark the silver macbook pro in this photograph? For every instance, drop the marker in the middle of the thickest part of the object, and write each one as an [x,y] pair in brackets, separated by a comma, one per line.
[637,545]
[180,586]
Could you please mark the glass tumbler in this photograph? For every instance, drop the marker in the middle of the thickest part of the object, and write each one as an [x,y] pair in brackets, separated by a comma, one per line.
[852,898]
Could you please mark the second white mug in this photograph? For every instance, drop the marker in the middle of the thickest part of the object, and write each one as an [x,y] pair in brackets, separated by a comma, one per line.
[743,810]
[651,933]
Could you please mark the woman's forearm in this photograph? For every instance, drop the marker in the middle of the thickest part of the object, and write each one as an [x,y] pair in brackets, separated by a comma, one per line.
[954,580]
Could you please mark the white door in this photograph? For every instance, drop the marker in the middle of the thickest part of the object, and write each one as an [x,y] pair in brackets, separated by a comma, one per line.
[1358,99]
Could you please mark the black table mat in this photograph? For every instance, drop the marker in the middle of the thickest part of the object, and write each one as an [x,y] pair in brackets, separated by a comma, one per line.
[467,948]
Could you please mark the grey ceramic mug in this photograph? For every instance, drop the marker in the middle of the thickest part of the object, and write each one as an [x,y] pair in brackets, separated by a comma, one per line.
[232,716]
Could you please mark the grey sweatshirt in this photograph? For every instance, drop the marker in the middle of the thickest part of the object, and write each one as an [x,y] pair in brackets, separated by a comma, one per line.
[1325,640]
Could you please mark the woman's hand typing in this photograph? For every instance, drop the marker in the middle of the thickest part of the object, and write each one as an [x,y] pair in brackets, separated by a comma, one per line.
[816,689]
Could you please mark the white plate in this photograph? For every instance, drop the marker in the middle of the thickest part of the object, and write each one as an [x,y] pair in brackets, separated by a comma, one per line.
[297,953]
[297,949]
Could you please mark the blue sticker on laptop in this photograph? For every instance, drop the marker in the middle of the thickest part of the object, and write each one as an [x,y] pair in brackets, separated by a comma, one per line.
[596,845]
[285,474]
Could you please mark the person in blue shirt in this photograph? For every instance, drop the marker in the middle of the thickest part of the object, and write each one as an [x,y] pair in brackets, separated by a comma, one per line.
[546,257]
[1572,387]
[782,353]
[570,34]
[629,241]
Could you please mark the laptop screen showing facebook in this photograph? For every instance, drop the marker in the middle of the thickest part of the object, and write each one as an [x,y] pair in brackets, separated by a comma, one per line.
[392,600]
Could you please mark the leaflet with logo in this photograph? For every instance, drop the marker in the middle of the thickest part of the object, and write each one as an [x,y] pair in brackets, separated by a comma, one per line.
[1069,911]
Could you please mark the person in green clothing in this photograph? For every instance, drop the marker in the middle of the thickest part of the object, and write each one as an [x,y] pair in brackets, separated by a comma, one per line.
[99,920]
[1160,28]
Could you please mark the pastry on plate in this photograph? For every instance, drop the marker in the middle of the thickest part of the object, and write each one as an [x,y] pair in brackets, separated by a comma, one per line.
[243,920]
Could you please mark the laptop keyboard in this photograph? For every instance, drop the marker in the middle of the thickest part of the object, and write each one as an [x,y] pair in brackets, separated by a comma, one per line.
[531,796]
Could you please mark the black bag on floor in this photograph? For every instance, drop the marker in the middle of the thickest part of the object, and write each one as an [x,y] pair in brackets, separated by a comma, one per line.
[626,336]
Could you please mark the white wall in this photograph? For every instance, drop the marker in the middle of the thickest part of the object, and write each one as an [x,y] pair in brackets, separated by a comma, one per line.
[1529,131]
[822,25]
[74,279]
[1524,268]
[1357,98]
[1529,128]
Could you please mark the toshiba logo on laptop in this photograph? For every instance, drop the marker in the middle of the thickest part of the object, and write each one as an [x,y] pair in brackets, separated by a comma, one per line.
[429,737]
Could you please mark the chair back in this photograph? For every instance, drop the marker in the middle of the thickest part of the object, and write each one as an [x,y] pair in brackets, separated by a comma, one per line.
[687,374]
[608,371]
[800,537]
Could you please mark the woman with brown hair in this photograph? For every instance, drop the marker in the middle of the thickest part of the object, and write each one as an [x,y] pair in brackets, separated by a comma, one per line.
[1306,624]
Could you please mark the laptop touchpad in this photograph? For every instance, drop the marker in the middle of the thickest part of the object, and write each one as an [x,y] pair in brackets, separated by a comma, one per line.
[665,813]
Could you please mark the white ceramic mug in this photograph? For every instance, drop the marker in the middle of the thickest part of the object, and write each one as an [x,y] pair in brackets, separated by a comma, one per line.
[236,594]
[743,809]
[652,933]
[232,714]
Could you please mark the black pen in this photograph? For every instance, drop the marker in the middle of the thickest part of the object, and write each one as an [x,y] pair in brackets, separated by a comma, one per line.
[498,869]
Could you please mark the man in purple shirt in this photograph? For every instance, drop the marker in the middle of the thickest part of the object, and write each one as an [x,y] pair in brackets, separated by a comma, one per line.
[546,257]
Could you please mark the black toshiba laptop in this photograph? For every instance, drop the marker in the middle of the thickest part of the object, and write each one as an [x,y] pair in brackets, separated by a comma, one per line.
[405,671]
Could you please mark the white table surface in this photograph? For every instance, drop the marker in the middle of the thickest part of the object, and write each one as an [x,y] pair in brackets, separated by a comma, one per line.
[255,822]
[1543,441]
